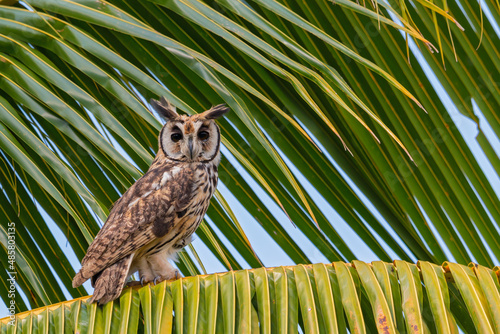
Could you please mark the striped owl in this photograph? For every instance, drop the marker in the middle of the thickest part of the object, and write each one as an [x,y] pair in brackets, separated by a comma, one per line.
[157,215]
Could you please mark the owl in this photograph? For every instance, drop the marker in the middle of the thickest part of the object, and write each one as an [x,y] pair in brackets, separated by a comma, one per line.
[157,215]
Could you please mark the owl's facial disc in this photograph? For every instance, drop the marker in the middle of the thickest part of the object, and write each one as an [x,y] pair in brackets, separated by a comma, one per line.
[190,140]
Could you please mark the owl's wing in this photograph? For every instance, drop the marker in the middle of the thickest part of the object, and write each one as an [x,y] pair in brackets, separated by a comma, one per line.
[145,212]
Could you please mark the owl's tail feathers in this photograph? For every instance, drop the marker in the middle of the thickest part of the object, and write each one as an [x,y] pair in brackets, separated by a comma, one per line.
[109,283]
[79,279]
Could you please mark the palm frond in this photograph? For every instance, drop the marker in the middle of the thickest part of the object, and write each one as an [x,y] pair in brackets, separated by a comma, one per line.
[333,298]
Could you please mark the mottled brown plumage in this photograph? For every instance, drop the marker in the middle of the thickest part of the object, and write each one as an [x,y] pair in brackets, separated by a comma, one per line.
[157,215]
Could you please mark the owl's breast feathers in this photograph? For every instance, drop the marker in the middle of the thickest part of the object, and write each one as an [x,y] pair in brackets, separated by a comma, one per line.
[148,210]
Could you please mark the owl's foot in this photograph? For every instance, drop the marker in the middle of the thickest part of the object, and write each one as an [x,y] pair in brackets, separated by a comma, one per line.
[161,278]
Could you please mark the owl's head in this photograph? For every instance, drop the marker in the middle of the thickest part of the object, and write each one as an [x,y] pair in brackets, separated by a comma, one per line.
[193,138]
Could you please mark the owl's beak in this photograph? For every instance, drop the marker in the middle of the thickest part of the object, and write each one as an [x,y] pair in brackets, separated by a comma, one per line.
[190,146]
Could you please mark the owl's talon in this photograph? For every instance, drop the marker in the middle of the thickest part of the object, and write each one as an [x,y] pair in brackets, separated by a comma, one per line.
[177,274]
[154,281]
[142,281]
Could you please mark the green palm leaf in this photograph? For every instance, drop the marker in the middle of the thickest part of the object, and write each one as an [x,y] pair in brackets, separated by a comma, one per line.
[207,303]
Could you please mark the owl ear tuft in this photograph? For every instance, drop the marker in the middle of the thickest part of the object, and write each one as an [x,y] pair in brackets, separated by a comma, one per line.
[215,112]
[164,108]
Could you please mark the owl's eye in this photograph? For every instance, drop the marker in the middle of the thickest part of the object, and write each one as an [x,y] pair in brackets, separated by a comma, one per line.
[176,137]
[203,135]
